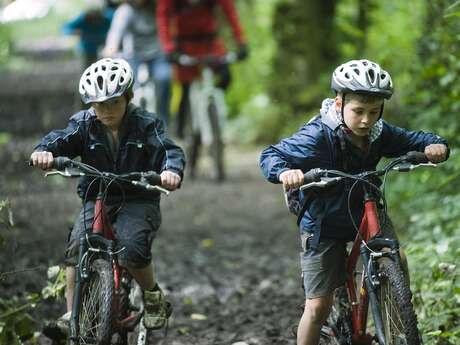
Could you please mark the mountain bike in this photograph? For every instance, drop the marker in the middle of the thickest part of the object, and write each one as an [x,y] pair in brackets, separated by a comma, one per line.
[206,113]
[379,281]
[107,303]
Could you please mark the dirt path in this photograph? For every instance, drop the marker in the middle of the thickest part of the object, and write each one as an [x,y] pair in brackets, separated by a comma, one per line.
[227,252]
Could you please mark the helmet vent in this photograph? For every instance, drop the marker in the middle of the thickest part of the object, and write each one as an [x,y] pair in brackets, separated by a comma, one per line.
[100,82]
[371,75]
[356,71]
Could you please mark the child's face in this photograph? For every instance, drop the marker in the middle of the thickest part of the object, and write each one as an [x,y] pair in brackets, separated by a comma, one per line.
[111,112]
[359,116]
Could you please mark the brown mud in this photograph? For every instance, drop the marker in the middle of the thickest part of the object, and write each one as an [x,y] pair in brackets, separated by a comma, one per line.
[228,252]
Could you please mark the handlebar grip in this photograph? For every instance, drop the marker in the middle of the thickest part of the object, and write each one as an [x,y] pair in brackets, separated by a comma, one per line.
[415,157]
[314,175]
[154,178]
[60,163]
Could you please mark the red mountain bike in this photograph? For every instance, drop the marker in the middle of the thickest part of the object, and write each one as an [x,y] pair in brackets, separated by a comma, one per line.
[379,280]
[107,304]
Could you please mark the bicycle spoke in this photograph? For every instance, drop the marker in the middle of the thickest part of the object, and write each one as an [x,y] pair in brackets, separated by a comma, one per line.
[90,314]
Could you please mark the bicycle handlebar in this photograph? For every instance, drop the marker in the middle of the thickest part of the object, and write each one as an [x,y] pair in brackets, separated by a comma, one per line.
[188,60]
[322,177]
[149,180]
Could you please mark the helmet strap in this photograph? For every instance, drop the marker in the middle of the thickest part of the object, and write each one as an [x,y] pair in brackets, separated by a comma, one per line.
[342,111]
[381,110]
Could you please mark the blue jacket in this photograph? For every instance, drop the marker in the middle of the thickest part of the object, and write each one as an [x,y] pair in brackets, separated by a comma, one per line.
[92,33]
[143,146]
[327,214]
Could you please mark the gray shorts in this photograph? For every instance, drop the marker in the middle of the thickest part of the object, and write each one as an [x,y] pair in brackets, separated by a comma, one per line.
[324,269]
[135,226]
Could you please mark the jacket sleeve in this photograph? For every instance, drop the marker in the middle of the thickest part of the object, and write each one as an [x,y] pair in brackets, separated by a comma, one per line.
[305,150]
[164,15]
[63,142]
[397,141]
[121,20]
[232,16]
[173,158]
[71,26]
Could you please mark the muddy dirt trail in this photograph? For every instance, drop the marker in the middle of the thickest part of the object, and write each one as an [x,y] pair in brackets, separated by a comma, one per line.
[228,252]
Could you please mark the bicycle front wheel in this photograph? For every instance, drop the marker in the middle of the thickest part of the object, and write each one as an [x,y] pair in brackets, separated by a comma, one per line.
[399,321]
[95,315]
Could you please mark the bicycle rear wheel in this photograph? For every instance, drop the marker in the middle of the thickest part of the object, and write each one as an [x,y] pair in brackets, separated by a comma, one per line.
[217,146]
[95,315]
[396,309]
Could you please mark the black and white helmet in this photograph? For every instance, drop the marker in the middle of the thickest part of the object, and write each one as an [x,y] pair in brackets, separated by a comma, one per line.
[362,76]
[105,79]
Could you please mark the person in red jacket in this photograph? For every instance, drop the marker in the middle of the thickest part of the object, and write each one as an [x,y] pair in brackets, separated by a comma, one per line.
[191,27]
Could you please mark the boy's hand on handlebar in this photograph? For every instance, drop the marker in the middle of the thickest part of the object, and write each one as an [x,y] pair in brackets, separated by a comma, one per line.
[42,159]
[436,153]
[291,178]
[170,180]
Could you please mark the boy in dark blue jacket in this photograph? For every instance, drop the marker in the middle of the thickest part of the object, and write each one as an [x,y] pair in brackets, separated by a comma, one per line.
[350,135]
[116,136]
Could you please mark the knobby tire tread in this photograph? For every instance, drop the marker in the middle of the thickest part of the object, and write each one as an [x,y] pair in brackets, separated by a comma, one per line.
[403,296]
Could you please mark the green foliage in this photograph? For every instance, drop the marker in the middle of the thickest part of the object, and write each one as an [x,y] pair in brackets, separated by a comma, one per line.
[5,44]
[435,277]
[251,77]
[16,323]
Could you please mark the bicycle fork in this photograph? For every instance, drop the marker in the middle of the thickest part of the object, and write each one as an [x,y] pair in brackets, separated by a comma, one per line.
[372,278]
[74,329]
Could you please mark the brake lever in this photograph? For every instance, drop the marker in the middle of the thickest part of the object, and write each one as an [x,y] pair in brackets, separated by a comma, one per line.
[68,172]
[325,181]
[150,187]
[406,167]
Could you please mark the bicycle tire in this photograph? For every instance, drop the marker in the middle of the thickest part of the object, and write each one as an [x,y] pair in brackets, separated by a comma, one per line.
[95,314]
[396,308]
[217,146]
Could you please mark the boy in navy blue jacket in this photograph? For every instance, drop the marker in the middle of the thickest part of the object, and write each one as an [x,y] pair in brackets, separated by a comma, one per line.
[348,135]
[116,136]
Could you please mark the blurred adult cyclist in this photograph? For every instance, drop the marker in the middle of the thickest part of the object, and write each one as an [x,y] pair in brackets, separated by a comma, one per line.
[133,33]
[191,27]
[92,26]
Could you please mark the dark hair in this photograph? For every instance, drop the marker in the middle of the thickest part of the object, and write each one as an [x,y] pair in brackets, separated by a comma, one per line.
[360,97]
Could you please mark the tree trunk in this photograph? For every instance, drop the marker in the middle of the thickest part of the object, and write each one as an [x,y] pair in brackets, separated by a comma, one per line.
[305,34]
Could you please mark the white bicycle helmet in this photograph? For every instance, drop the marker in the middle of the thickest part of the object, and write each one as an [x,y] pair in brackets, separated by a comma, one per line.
[362,76]
[105,79]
